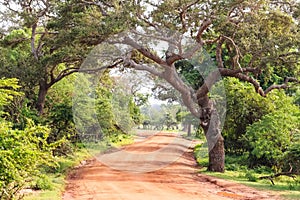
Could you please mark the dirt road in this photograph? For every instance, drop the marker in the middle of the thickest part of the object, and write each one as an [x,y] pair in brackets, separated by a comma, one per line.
[141,171]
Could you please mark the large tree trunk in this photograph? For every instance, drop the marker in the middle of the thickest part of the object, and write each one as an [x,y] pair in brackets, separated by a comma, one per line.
[210,122]
[43,89]
[217,156]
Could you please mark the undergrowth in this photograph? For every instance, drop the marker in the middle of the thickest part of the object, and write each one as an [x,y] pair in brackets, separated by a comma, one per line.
[238,171]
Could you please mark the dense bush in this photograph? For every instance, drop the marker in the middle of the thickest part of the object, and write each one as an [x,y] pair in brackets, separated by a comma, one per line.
[245,107]
[22,152]
[291,158]
[273,139]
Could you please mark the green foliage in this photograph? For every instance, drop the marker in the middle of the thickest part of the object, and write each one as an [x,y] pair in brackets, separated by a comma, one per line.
[108,107]
[43,182]
[123,109]
[291,157]
[17,61]
[22,152]
[8,90]
[22,113]
[272,136]
[250,176]
[201,154]
[262,34]
[60,113]
[134,109]
[245,107]
[189,73]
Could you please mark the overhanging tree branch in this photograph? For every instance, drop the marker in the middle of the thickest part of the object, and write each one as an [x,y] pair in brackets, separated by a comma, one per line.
[144,67]
[206,23]
[71,70]
[219,52]
[33,34]
[144,51]
[282,86]
[237,56]
[216,75]
[238,73]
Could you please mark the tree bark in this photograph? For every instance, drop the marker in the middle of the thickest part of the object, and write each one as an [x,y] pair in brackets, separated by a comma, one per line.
[189,131]
[210,122]
[43,89]
[217,156]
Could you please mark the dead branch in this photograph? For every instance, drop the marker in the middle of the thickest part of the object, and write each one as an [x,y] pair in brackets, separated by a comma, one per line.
[290,173]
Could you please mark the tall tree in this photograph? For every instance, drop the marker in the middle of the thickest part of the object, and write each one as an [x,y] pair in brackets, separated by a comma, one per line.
[57,36]
[254,41]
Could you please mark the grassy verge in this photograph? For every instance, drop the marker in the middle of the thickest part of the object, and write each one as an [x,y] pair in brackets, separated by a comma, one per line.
[237,171]
[52,181]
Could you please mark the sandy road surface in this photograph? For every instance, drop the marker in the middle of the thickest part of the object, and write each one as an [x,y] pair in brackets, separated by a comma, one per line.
[141,171]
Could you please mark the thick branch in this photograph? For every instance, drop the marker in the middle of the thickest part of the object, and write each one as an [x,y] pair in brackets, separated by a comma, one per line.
[71,70]
[144,51]
[173,58]
[33,34]
[236,58]
[216,75]
[245,78]
[210,80]
[238,73]
[229,72]
[206,23]
[219,53]
[187,93]
[282,86]
[143,67]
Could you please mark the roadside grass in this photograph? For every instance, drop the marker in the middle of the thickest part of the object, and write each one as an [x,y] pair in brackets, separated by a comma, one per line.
[237,171]
[51,183]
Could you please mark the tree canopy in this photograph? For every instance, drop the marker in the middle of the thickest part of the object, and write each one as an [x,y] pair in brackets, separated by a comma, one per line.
[254,41]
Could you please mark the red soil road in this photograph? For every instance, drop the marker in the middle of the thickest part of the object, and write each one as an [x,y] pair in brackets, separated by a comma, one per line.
[176,181]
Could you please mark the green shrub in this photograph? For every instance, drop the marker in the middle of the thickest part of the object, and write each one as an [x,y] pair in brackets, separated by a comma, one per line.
[233,167]
[201,154]
[271,138]
[244,107]
[291,158]
[250,176]
[43,182]
[22,152]
[263,169]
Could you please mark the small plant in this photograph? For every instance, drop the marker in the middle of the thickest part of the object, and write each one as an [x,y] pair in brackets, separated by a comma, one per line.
[250,176]
[232,167]
[43,183]
[201,154]
[292,185]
